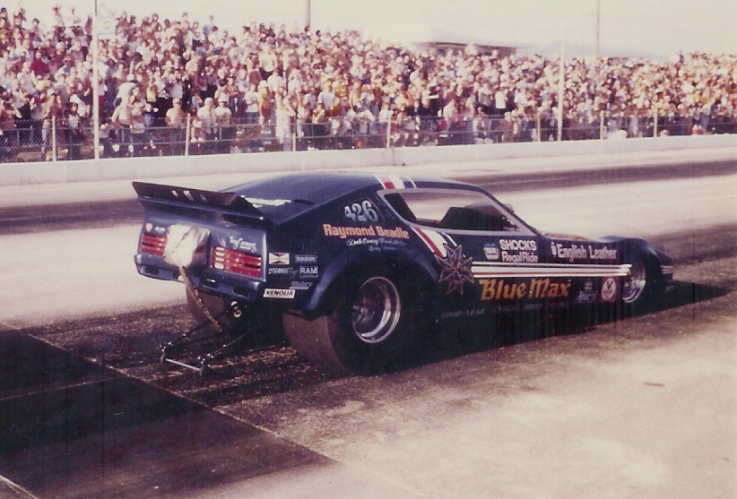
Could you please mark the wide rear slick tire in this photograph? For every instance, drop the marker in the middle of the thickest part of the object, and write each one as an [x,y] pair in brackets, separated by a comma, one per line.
[370,325]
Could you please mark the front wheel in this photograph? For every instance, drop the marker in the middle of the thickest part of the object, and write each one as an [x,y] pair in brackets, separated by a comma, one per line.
[371,325]
[637,287]
[635,284]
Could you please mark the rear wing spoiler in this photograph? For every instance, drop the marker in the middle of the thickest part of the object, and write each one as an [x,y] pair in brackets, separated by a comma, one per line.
[228,201]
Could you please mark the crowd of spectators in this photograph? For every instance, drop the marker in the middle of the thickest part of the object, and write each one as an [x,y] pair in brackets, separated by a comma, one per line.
[182,76]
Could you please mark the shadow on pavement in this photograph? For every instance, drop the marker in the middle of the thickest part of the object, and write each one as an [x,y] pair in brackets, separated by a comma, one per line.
[276,369]
[513,329]
[71,428]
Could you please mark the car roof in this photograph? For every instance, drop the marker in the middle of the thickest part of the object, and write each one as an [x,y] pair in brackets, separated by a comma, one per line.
[284,197]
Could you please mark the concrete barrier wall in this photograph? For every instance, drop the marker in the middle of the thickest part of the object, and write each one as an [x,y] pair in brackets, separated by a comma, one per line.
[138,168]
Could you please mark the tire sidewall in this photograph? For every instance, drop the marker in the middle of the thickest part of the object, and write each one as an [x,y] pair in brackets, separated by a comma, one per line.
[366,358]
[642,303]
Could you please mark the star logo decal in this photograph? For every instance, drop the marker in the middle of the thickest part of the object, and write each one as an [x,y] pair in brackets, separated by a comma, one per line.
[455,269]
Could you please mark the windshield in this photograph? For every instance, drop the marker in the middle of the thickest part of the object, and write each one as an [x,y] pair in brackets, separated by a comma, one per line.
[454,210]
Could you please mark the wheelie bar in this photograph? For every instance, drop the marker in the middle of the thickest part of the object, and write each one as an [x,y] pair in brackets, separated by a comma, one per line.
[204,361]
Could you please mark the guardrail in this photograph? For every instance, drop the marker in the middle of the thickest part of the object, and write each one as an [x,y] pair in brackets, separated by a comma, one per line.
[33,141]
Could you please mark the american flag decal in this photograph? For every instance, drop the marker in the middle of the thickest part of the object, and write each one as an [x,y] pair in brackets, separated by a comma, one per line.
[278,258]
[395,182]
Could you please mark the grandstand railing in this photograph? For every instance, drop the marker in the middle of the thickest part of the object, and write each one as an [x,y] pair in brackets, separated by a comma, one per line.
[31,140]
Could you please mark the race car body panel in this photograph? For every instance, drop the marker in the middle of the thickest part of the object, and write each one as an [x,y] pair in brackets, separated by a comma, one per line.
[296,242]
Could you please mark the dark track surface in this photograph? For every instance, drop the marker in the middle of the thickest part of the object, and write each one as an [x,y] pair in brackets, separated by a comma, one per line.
[73,428]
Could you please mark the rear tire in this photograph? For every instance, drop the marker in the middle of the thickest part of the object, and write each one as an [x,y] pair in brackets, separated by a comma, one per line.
[371,324]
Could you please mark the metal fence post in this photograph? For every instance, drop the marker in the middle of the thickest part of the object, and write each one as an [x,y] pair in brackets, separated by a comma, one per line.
[388,133]
[655,122]
[53,139]
[601,124]
[186,135]
[294,136]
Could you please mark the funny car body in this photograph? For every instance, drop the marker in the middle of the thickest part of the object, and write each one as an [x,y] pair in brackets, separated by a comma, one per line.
[354,267]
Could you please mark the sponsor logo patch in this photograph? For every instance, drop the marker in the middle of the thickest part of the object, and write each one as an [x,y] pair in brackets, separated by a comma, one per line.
[258,202]
[586,297]
[533,289]
[608,289]
[582,252]
[282,271]
[303,285]
[278,258]
[286,294]
[238,243]
[370,231]
[491,251]
[518,250]
[518,244]
[305,259]
[308,272]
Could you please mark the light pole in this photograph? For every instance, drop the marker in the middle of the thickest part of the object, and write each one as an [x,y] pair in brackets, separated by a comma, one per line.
[95,85]
[308,14]
[562,77]
[598,25]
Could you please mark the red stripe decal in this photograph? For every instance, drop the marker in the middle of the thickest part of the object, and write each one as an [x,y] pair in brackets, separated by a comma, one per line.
[429,242]
[388,184]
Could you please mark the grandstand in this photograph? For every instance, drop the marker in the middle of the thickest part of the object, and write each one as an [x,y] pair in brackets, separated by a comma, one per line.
[184,86]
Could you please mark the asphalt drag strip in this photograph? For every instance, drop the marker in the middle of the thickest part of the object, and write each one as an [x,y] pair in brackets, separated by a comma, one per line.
[73,428]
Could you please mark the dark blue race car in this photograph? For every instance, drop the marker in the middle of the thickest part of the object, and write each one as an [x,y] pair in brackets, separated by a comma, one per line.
[355,266]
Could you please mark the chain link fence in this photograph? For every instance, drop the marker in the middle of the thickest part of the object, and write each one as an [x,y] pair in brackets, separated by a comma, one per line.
[36,140]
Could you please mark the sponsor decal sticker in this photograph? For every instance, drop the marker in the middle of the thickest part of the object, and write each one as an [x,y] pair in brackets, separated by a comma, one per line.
[301,285]
[455,269]
[370,231]
[518,244]
[156,229]
[238,243]
[582,252]
[362,242]
[584,296]
[608,289]
[258,203]
[305,259]
[533,289]
[521,257]
[286,294]
[282,271]
[491,251]
[278,258]
[519,250]
[308,271]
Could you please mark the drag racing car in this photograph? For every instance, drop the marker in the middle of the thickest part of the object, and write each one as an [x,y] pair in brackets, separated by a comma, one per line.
[355,267]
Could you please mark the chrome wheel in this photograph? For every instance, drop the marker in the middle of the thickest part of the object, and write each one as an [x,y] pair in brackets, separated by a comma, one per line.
[376,310]
[634,284]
